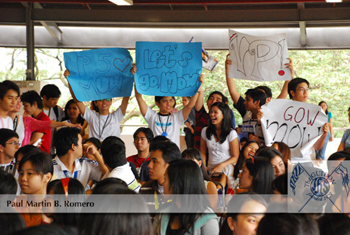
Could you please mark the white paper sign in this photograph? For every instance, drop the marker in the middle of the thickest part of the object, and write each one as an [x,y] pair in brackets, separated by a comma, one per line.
[258,58]
[297,124]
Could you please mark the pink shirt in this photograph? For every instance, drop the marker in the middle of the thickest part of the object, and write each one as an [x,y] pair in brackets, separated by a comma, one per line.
[31,125]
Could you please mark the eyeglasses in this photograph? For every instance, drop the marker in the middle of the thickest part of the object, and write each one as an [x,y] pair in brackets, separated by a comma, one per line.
[106,99]
[302,89]
[14,143]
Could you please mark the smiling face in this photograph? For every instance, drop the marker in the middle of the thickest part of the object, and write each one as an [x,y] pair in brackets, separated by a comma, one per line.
[324,106]
[73,111]
[216,116]
[103,106]
[166,105]
[250,150]
[246,224]
[31,181]
[278,165]
[9,101]
[301,93]
[213,99]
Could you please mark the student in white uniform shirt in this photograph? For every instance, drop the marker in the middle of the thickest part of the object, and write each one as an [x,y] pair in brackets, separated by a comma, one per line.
[68,162]
[164,122]
[102,123]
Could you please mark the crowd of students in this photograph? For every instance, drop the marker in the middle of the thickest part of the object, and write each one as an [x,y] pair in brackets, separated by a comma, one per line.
[78,151]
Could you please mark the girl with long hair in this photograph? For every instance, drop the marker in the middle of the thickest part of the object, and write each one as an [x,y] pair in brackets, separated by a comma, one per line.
[257,176]
[219,140]
[190,207]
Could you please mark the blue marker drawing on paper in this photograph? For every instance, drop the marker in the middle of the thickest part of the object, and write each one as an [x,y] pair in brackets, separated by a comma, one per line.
[100,73]
[168,68]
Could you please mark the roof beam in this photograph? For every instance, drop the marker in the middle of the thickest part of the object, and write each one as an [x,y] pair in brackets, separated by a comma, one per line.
[51,27]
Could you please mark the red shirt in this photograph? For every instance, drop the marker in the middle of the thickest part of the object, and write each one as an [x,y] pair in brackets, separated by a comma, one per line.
[136,160]
[46,139]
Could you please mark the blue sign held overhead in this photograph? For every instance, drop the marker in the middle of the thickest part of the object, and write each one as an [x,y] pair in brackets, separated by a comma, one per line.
[168,68]
[100,74]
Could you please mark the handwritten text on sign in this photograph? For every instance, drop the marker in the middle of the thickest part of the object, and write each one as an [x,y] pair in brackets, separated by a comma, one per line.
[167,68]
[100,73]
[258,58]
[297,124]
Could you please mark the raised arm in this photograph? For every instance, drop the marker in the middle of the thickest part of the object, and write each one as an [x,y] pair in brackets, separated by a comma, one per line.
[141,102]
[199,102]
[91,149]
[231,82]
[80,105]
[284,91]
[124,104]
[194,100]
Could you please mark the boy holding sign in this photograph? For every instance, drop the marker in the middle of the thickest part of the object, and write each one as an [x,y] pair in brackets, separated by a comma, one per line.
[102,124]
[164,122]
[298,90]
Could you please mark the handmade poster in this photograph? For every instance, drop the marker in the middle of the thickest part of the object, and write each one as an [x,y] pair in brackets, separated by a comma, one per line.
[100,74]
[297,124]
[208,61]
[168,68]
[258,58]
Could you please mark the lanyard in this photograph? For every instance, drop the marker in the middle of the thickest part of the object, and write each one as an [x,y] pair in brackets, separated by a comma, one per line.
[165,134]
[15,121]
[99,125]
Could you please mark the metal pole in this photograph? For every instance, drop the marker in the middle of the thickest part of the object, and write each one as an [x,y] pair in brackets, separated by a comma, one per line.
[30,43]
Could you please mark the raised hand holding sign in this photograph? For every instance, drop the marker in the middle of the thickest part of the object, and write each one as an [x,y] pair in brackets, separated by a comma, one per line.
[100,74]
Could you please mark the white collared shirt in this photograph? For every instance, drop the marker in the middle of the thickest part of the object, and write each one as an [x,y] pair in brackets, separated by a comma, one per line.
[84,171]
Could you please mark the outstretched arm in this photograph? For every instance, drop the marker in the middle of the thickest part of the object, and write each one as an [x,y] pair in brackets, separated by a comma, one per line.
[80,105]
[199,102]
[141,102]
[284,91]
[231,82]
[124,104]
[187,109]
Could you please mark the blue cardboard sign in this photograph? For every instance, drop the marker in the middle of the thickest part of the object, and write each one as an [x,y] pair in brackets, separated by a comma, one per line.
[100,73]
[168,68]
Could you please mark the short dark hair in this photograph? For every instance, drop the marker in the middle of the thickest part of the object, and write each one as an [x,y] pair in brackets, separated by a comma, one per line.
[50,91]
[158,139]
[256,95]
[41,161]
[31,97]
[269,153]
[266,90]
[64,138]
[7,85]
[95,142]
[109,186]
[6,134]
[148,133]
[8,183]
[288,224]
[113,152]
[26,150]
[170,151]
[223,97]
[293,84]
